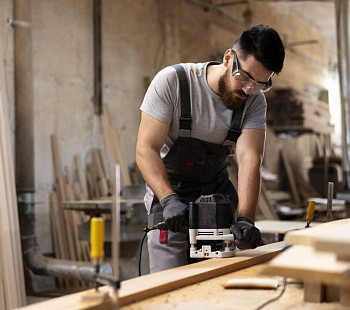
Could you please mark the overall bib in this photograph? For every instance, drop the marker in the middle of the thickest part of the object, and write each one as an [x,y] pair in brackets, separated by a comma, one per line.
[195,167]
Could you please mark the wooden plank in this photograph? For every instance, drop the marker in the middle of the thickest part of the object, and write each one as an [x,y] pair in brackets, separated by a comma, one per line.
[310,235]
[303,262]
[165,281]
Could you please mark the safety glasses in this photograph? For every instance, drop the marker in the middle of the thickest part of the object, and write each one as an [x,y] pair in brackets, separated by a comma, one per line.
[246,81]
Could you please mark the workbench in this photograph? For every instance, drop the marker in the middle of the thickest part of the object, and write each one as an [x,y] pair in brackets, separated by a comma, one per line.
[210,295]
[199,285]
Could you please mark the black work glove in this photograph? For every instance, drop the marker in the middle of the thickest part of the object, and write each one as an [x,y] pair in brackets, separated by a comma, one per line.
[175,213]
[247,236]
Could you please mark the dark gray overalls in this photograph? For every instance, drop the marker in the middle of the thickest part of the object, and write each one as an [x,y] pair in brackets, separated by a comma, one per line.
[195,167]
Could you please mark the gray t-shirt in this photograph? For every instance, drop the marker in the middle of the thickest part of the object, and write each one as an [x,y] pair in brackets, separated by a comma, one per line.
[211,120]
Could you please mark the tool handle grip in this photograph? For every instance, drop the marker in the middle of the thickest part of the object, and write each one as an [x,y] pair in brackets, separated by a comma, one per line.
[310,211]
[97,238]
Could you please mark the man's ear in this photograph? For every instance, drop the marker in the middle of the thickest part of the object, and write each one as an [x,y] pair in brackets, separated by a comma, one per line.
[227,57]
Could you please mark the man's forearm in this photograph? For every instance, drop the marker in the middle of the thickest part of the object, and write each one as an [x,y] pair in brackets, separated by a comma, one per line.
[248,187]
[154,172]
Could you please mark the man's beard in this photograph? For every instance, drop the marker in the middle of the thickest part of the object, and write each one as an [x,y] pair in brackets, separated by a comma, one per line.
[228,97]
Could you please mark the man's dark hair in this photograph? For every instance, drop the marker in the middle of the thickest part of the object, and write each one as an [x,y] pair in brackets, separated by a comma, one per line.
[264,44]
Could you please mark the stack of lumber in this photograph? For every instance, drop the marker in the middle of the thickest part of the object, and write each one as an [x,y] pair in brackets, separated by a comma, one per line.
[292,109]
[12,290]
[89,182]
[65,223]
[321,257]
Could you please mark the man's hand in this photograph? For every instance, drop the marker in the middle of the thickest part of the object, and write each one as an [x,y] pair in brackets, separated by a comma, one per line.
[247,236]
[175,213]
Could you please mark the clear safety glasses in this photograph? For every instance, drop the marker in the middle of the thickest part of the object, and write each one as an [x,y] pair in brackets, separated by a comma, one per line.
[246,81]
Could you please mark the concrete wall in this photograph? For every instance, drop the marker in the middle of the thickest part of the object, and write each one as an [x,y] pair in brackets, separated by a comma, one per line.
[139,38]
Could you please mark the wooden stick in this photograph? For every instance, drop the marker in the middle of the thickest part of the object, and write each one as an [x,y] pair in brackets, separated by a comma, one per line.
[93,181]
[61,227]
[102,182]
[115,151]
[57,166]
[81,176]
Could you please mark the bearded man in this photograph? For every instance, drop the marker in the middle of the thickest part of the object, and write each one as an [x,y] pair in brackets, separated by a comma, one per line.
[193,117]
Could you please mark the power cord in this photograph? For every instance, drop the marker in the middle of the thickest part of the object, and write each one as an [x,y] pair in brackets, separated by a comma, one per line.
[275,298]
[140,256]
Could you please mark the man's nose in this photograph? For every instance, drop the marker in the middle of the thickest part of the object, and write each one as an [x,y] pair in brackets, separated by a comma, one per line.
[247,89]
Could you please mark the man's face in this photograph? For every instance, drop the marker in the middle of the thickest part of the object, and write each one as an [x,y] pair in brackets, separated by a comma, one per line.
[236,86]
[233,97]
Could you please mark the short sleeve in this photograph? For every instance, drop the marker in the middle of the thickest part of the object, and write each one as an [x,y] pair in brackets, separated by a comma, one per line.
[161,96]
[255,115]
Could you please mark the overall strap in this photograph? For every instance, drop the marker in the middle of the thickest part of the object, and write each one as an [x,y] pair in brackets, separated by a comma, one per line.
[235,129]
[185,98]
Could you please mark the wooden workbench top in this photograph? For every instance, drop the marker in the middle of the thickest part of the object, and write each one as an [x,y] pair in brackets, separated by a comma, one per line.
[210,295]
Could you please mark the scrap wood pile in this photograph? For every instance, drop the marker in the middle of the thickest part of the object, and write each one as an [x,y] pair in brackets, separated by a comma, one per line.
[290,108]
[88,181]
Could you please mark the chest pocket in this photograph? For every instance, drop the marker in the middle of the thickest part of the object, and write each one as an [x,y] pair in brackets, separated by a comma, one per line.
[191,155]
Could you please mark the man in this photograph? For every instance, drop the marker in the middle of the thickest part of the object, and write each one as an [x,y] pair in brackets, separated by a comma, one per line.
[191,114]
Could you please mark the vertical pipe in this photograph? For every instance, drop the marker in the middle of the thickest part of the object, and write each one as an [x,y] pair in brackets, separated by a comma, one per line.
[329,201]
[24,141]
[97,57]
[116,225]
[342,20]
